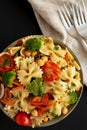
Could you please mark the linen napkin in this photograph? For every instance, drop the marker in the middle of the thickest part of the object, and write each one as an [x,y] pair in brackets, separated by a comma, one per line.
[50,25]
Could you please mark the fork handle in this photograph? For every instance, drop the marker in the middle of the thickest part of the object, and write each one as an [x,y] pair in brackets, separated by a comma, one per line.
[84,43]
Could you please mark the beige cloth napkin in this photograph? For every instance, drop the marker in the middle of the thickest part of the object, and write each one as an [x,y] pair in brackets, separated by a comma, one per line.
[50,25]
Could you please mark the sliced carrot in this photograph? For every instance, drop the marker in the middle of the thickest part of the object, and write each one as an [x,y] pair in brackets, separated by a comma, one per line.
[16,83]
[66,57]
[7,102]
[17,88]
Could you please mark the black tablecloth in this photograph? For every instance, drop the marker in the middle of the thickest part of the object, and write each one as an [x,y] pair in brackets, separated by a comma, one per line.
[17,20]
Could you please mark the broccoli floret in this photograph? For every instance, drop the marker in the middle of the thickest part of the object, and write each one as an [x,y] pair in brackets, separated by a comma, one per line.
[36,87]
[73,97]
[8,78]
[34,44]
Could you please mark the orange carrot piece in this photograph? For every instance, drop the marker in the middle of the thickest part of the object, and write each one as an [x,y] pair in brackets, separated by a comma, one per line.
[7,102]
[16,83]
[17,88]
[66,57]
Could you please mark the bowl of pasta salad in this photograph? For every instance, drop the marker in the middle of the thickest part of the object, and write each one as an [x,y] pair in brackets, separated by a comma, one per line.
[40,81]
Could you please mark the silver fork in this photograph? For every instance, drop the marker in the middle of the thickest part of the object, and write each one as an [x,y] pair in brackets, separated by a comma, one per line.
[80,18]
[68,23]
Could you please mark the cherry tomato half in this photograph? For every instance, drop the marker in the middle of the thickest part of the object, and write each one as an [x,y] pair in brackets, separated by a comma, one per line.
[23,119]
[51,71]
[6,62]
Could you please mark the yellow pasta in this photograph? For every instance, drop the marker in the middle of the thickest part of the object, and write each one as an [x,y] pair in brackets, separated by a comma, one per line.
[27,69]
[14,50]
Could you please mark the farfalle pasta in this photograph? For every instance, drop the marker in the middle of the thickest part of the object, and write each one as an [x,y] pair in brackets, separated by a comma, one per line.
[28,69]
[41,79]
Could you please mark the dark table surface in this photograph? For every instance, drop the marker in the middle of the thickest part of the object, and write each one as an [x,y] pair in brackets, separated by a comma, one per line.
[17,20]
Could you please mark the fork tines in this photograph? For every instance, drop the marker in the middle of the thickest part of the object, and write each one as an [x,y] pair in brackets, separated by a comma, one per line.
[65,16]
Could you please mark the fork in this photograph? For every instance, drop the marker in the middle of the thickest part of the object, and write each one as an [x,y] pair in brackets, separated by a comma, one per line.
[66,19]
[80,18]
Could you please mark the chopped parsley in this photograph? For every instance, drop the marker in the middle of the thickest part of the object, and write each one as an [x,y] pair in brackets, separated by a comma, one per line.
[56,48]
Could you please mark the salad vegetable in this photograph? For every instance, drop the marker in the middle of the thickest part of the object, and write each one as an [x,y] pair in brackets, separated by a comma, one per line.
[38,101]
[73,97]
[8,78]
[51,71]
[6,62]
[34,44]
[36,87]
[22,118]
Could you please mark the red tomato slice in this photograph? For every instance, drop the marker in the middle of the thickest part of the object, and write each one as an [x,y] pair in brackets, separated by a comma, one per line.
[51,71]
[38,101]
[6,62]
[23,119]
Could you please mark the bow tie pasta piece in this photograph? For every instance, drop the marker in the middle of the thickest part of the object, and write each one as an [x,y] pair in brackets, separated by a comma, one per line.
[27,70]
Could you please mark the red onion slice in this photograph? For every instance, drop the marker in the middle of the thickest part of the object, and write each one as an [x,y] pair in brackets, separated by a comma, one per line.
[2,91]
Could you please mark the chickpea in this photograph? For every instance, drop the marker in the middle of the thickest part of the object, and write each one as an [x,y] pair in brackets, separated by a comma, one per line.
[45,58]
[45,119]
[40,62]
[65,110]
[34,112]
[34,53]
[27,53]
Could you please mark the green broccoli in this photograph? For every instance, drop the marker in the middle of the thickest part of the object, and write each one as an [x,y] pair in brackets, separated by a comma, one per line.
[8,78]
[34,44]
[73,97]
[36,87]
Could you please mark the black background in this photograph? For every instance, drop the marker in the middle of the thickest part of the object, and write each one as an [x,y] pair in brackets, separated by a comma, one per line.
[17,20]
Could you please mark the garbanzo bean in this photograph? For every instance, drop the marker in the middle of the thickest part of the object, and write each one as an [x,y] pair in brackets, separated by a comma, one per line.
[34,53]
[27,53]
[45,119]
[44,58]
[40,62]
[34,112]
[65,110]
